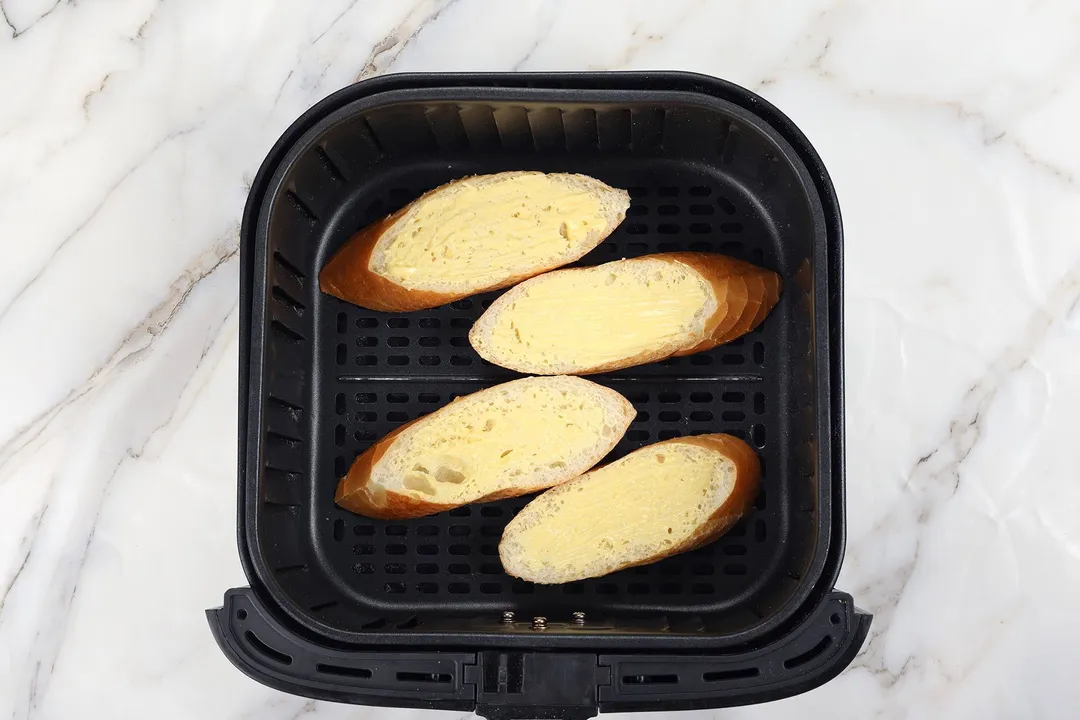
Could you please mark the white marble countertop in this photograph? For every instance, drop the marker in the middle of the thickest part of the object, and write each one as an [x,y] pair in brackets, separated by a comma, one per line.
[129,131]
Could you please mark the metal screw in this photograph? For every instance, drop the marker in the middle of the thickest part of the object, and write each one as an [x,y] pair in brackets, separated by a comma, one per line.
[508,617]
[579,618]
[539,623]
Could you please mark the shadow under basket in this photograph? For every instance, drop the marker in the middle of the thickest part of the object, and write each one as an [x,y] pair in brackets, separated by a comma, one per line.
[419,613]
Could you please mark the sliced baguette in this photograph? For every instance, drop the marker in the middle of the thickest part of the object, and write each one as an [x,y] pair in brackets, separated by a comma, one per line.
[505,441]
[624,313]
[661,500]
[472,235]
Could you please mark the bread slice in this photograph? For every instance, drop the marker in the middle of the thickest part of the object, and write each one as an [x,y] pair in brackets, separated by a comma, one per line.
[471,235]
[507,440]
[658,501]
[624,313]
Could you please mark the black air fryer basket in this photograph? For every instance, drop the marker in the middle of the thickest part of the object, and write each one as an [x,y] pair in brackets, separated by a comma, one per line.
[419,613]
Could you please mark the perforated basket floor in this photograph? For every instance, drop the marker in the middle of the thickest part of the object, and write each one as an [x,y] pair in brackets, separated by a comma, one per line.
[328,378]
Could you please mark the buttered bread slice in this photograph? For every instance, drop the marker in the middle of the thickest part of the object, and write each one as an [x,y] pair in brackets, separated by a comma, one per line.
[507,440]
[624,313]
[661,500]
[476,234]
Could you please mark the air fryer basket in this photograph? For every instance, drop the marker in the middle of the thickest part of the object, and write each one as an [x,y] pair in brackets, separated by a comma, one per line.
[709,167]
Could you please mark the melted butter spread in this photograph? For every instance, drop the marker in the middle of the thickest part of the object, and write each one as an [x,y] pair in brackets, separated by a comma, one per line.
[496,440]
[480,234]
[646,501]
[595,316]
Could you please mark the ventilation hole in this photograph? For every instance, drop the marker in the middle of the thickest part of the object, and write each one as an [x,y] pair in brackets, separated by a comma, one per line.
[734,549]
[650,679]
[459,342]
[396,549]
[364,568]
[701,210]
[610,248]
[669,569]
[638,192]
[464,511]
[668,229]
[670,589]
[427,398]
[760,530]
[732,247]
[397,398]
[427,569]
[458,588]
[637,435]
[489,550]
[491,511]
[668,434]
[342,671]
[427,530]
[700,191]
[396,530]
[702,569]
[636,248]
[397,360]
[339,435]
[363,549]
[641,417]
[395,588]
[374,624]
[701,416]
[366,322]
[700,360]
[427,549]
[700,247]
[733,397]
[460,360]
[731,228]
[666,247]
[636,229]
[342,322]
[637,211]
[738,531]
[415,677]
[339,404]
[366,416]
[737,674]
[803,658]
[341,354]
[395,568]
[702,589]
[730,359]
[459,569]
[340,466]
[460,549]
[491,588]
[461,304]
[834,618]
[638,589]
[670,416]
[339,530]
[668,210]
[491,531]
[397,322]
[733,416]
[669,397]
[363,530]
[427,588]
[759,403]
[520,587]
[409,624]
[576,588]
[757,432]
[366,342]
[364,398]
[668,191]
[759,353]
[734,569]
[486,302]
[700,229]
[460,323]
[397,341]
[429,323]
[366,360]
[459,530]
[266,650]
[397,416]
[607,589]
